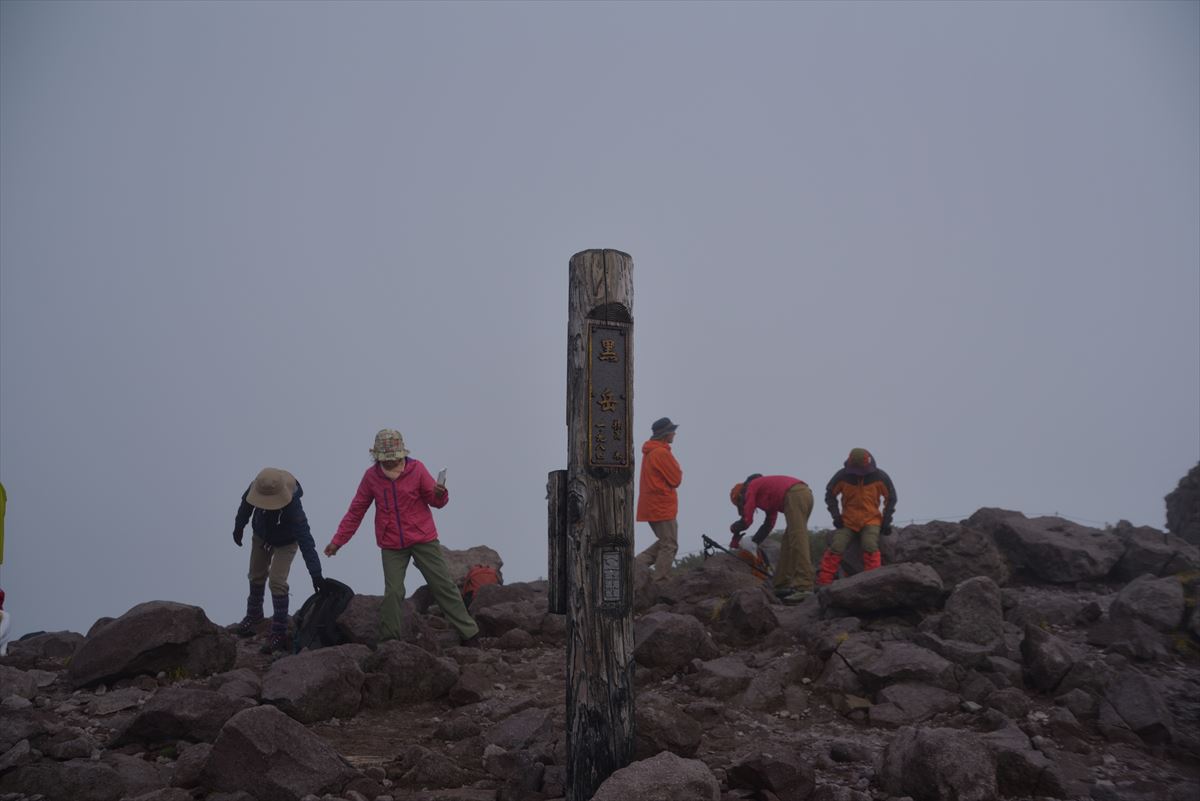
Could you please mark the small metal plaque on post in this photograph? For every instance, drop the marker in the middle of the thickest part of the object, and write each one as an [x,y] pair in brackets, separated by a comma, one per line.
[612,593]
[608,395]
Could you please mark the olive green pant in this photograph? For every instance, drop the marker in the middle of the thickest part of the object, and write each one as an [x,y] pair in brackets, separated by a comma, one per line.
[433,567]
[272,563]
[869,539]
[795,561]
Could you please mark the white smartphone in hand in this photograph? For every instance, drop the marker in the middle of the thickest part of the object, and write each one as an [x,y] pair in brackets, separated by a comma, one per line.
[441,479]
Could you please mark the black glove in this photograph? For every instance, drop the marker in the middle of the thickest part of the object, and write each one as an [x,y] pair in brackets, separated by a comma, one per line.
[737,527]
[318,583]
[837,523]
[885,530]
[761,535]
[736,542]
[237,537]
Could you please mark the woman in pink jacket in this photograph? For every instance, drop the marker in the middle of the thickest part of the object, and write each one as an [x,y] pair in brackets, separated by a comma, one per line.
[402,491]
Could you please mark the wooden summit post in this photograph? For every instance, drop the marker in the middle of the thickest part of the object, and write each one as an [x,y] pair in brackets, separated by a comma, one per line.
[596,548]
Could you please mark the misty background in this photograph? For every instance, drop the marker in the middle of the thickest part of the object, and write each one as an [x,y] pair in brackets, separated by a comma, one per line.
[235,235]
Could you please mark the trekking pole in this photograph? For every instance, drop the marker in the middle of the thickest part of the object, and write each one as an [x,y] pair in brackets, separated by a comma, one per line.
[710,543]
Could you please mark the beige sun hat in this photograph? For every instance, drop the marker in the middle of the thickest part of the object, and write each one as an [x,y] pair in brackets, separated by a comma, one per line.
[272,489]
[389,445]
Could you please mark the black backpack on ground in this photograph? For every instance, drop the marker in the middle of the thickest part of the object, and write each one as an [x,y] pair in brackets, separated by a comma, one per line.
[316,620]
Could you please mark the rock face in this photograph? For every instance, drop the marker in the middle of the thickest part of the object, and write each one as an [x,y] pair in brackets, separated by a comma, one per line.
[957,551]
[871,689]
[152,637]
[1183,507]
[317,685]
[1057,550]
[665,777]
[178,713]
[939,765]
[1148,550]
[888,587]
[265,753]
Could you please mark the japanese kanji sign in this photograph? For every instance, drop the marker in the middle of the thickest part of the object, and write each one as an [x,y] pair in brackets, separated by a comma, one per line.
[608,393]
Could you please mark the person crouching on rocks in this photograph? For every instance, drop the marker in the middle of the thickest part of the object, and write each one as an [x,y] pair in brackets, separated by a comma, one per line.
[864,489]
[775,494]
[271,504]
[403,492]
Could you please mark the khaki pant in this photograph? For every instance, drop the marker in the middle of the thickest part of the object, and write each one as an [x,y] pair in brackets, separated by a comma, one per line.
[662,553]
[868,539]
[274,561]
[433,567]
[795,561]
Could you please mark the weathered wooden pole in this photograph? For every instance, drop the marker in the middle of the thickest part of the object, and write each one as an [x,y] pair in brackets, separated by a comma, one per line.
[556,550]
[599,558]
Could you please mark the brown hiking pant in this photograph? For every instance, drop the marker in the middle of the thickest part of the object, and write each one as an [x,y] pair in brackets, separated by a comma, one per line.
[795,569]
[662,553]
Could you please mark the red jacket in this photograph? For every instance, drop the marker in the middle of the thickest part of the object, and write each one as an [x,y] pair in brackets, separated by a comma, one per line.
[402,516]
[766,493]
[657,499]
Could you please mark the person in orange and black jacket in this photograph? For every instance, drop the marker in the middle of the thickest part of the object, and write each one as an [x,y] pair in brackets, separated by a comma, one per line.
[775,494]
[868,502]
[658,501]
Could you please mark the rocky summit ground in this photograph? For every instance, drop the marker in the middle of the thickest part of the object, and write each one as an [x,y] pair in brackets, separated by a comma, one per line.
[996,657]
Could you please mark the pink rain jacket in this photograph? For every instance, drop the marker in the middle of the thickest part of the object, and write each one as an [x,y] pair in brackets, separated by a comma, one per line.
[402,516]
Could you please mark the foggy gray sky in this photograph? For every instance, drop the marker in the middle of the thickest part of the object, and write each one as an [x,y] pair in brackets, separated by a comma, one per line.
[964,236]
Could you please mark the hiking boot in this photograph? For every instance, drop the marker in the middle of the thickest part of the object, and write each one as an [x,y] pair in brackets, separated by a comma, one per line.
[798,596]
[248,626]
[471,642]
[275,643]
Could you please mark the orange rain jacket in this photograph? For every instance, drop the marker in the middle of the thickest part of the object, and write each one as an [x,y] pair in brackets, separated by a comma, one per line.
[862,497]
[661,475]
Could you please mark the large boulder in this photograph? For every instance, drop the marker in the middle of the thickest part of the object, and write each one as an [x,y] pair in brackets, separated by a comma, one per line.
[661,725]
[359,623]
[317,685]
[909,585]
[1183,507]
[75,779]
[668,640]
[1047,659]
[180,713]
[784,773]
[898,661]
[414,673]
[1148,550]
[973,612]
[1056,550]
[152,637]
[459,562]
[717,577]
[938,765]
[265,753]
[1132,703]
[1158,602]
[45,649]
[664,777]
[957,551]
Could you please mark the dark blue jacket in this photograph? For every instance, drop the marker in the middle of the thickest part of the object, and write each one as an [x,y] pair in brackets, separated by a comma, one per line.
[281,527]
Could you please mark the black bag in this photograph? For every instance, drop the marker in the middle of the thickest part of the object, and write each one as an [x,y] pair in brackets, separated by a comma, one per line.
[316,620]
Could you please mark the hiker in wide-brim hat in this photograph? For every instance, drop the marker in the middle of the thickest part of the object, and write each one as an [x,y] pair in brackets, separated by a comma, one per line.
[658,499]
[271,504]
[403,493]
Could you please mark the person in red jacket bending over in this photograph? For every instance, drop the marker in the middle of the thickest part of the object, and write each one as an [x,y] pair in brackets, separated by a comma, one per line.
[658,501]
[775,494]
[868,503]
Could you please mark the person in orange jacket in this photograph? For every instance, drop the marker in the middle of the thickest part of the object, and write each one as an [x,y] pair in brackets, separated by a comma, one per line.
[658,501]
[868,503]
